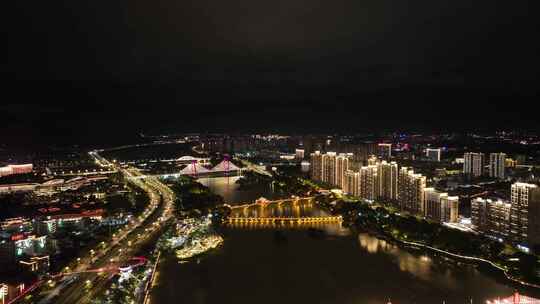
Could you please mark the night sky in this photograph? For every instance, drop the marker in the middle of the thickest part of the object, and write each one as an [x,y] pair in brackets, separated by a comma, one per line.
[88,69]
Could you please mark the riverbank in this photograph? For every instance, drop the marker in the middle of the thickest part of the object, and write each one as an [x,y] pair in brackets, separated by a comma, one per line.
[294,266]
[518,268]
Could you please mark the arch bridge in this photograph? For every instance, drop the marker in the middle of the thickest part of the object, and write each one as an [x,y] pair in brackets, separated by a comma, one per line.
[284,220]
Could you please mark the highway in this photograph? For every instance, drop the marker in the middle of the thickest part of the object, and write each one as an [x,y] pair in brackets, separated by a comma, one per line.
[123,245]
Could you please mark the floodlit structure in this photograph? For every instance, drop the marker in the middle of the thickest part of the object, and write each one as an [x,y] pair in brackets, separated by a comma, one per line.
[342,165]
[525,213]
[473,164]
[387,180]
[15,169]
[497,162]
[491,216]
[316,166]
[411,190]
[368,182]
[330,167]
[225,166]
[352,183]
[440,207]
[194,169]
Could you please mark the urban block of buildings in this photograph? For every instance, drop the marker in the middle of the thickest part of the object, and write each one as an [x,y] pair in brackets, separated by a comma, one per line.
[386,182]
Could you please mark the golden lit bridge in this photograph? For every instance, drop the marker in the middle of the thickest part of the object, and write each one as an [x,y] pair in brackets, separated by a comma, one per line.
[284,220]
[263,202]
[241,216]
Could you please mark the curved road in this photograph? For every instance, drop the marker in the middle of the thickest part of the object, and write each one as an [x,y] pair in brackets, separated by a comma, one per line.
[124,244]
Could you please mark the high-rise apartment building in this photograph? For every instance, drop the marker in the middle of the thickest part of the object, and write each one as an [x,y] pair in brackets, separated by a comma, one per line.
[497,162]
[433,204]
[316,166]
[411,191]
[524,214]
[473,164]
[449,209]
[387,181]
[491,216]
[342,165]
[329,168]
[352,183]
[440,207]
[368,182]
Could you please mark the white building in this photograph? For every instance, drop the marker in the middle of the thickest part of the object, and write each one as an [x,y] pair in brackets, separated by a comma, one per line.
[474,164]
[497,163]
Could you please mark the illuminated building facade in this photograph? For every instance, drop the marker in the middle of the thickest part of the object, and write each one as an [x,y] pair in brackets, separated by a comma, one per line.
[497,162]
[316,166]
[473,164]
[329,168]
[387,181]
[440,207]
[433,204]
[524,215]
[368,182]
[449,209]
[342,165]
[352,183]
[411,188]
[15,169]
[491,216]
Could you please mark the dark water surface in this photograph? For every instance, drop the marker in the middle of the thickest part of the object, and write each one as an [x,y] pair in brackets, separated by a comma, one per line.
[258,264]
[229,190]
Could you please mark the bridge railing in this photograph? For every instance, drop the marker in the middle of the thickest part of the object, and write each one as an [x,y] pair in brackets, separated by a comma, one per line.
[268,202]
[284,219]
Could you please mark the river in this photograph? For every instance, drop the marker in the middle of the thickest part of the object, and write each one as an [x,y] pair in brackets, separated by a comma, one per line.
[229,190]
[260,265]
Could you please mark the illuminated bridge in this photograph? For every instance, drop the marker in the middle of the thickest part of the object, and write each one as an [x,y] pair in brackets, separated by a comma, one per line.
[263,202]
[293,212]
[196,169]
[284,220]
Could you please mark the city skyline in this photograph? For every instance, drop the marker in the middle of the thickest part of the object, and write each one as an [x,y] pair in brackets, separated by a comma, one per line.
[287,151]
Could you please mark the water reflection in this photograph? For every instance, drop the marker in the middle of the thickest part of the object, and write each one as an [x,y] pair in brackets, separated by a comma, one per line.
[292,266]
[231,193]
[421,266]
[374,245]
